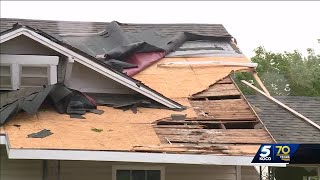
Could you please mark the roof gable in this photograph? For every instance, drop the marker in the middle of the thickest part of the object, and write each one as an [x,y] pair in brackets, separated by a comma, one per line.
[87,60]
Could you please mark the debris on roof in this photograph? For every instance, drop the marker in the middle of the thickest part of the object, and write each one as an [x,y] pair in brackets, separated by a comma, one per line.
[28,100]
[41,134]
[96,130]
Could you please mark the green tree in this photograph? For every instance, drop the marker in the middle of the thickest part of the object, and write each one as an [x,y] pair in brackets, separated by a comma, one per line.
[288,73]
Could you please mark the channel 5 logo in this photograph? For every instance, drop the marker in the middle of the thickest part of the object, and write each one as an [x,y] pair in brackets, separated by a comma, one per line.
[265,153]
[275,153]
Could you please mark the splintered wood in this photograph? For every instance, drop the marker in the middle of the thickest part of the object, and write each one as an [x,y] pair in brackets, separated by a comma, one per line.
[236,109]
[225,125]
[214,136]
[219,89]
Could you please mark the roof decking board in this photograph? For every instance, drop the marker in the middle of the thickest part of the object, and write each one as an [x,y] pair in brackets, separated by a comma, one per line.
[187,80]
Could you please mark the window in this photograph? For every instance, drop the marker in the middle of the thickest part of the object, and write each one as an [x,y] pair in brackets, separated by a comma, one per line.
[19,71]
[34,75]
[5,76]
[137,173]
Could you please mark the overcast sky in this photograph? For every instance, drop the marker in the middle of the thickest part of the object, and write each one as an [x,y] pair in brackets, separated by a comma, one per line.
[279,26]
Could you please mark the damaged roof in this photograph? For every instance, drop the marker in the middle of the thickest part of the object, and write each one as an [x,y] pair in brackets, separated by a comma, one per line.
[216,118]
[283,125]
[63,27]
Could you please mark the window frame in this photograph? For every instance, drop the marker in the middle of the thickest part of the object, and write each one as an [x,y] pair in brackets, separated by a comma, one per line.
[11,79]
[137,167]
[16,62]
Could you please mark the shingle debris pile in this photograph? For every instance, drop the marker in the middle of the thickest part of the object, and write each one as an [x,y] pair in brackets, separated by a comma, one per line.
[66,101]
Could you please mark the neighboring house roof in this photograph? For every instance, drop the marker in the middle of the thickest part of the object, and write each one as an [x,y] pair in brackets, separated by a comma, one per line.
[62,27]
[283,125]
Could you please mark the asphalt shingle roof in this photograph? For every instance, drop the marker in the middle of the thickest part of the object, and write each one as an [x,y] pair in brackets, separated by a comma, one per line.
[61,27]
[283,125]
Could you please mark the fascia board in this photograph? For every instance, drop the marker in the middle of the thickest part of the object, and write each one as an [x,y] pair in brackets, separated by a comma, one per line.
[162,158]
[87,62]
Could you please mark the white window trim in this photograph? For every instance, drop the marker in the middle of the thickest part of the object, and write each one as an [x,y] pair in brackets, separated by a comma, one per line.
[17,61]
[137,167]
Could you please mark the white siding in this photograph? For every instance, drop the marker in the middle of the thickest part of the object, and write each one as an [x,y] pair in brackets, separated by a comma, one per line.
[88,80]
[249,173]
[19,169]
[87,170]
[196,172]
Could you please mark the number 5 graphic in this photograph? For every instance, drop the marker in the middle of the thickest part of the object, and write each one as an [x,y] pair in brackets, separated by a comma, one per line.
[265,151]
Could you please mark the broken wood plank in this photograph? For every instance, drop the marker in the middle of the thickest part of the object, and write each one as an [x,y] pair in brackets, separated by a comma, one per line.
[225,80]
[218,90]
[181,126]
[234,149]
[240,119]
[229,108]
[206,63]
[188,124]
[256,77]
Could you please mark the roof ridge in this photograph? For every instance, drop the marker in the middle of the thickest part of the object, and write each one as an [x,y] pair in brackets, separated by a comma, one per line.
[120,23]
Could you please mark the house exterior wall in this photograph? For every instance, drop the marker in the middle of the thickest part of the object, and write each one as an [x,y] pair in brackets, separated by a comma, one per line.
[88,80]
[19,169]
[84,170]
[23,45]
[249,173]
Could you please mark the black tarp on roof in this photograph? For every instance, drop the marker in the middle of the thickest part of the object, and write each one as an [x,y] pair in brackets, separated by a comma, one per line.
[114,43]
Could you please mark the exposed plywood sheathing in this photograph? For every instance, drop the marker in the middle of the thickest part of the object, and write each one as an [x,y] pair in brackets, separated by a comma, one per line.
[175,82]
[121,129]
